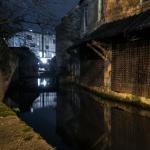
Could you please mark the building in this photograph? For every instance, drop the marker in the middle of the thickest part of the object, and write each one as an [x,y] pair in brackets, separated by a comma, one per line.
[42,45]
[67,33]
[91,16]
[114,46]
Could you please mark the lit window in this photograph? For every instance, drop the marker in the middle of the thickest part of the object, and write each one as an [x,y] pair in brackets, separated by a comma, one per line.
[44,60]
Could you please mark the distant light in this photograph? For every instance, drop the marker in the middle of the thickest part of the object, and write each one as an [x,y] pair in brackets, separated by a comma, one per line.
[32,110]
[40,53]
[44,54]
[44,60]
[53,55]
[42,69]
[44,83]
[39,81]
[30,30]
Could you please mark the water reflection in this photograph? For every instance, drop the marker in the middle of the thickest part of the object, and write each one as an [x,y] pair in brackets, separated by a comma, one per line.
[47,83]
[75,120]
[45,100]
[96,124]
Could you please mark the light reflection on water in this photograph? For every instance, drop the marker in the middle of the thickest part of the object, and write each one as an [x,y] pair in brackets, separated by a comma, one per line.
[42,82]
[88,123]
[45,100]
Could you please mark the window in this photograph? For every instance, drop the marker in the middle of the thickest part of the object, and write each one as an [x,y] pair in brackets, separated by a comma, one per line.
[85,23]
[100,9]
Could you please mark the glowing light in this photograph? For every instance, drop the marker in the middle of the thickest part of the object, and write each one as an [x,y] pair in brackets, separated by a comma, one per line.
[44,60]
[32,110]
[39,81]
[44,83]
[40,53]
[30,30]
[44,54]
[53,55]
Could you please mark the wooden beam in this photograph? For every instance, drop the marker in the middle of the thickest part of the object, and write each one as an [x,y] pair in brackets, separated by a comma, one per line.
[97,44]
[107,53]
[96,51]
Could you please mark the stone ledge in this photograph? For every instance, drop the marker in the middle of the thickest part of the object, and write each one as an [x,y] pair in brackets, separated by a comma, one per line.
[119,97]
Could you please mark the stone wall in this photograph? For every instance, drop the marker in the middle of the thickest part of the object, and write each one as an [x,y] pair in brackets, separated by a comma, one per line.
[8,64]
[67,33]
[131,68]
[118,9]
[92,72]
[92,17]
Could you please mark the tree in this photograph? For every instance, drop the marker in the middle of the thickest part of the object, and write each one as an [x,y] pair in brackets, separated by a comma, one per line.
[15,13]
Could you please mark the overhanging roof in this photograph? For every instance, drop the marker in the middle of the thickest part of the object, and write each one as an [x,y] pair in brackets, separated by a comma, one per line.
[118,28]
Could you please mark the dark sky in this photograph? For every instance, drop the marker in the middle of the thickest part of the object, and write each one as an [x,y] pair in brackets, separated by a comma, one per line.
[52,11]
[47,13]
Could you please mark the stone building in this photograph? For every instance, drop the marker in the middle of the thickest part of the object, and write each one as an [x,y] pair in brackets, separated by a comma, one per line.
[90,20]
[42,45]
[125,33]
[114,46]
[94,56]
[67,33]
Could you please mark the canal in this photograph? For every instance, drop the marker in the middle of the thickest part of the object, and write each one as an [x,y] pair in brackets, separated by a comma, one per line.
[72,119]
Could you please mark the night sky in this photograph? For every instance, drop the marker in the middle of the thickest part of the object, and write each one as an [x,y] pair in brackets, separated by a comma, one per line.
[47,13]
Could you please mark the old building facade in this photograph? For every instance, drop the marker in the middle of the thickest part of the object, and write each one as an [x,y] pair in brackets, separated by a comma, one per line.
[114,47]
[119,9]
[67,33]
[42,45]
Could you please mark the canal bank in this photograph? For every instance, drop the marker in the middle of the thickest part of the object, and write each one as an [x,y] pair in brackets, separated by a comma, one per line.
[15,134]
[74,119]
[125,98]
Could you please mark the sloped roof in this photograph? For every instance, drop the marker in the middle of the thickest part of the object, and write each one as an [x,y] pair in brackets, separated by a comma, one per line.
[118,28]
[123,26]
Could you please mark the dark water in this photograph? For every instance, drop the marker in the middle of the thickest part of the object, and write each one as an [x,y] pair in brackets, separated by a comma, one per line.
[72,119]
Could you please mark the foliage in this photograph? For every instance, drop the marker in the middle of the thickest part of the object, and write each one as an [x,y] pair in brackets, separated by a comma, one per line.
[5,111]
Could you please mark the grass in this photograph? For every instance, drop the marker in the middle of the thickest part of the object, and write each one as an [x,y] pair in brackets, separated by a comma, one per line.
[5,111]
[27,129]
[28,138]
[15,134]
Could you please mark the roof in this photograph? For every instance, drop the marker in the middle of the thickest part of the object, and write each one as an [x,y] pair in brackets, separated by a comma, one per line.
[118,28]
